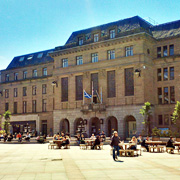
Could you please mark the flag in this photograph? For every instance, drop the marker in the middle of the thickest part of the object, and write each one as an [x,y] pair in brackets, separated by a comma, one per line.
[86,95]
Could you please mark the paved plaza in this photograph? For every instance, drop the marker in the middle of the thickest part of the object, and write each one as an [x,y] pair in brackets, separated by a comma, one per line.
[36,161]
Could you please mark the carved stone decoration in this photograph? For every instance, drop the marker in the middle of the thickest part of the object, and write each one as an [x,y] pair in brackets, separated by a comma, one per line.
[102,73]
[86,74]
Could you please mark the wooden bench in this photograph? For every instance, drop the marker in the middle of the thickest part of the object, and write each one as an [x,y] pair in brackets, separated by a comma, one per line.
[157,148]
[127,152]
[169,150]
[138,152]
[52,146]
[83,146]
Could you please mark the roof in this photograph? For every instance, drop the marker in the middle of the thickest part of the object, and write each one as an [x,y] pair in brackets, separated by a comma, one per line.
[31,59]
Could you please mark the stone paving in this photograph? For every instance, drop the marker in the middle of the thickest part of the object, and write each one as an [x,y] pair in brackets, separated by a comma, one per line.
[37,162]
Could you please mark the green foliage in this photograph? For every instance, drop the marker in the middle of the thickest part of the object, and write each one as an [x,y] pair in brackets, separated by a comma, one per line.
[156,132]
[7,116]
[176,113]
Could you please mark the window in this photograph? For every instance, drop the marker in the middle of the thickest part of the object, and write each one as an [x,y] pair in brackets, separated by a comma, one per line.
[15,92]
[164,50]
[79,88]
[44,88]
[6,93]
[111,84]
[112,33]
[129,82]
[172,95]
[33,106]
[171,73]
[64,89]
[94,57]
[166,119]
[40,55]
[159,74]
[166,99]
[44,103]
[171,50]
[24,91]
[96,37]
[94,79]
[65,62]
[44,71]
[34,90]
[80,40]
[15,107]
[49,53]
[24,74]
[165,74]
[79,60]
[158,52]
[6,106]
[24,106]
[15,76]
[159,95]
[21,59]
[111,54]
[129,51]
[7,77]
[30,57]
[160,120]
[35,73]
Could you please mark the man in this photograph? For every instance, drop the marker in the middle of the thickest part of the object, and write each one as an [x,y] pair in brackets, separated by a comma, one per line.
[19,136]
[170,144]
[144,144]
[115,144]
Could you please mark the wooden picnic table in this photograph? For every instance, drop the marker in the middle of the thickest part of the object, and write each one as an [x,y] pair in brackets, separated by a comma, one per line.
[177,144]
[58,142]
[90,142]
[155,145]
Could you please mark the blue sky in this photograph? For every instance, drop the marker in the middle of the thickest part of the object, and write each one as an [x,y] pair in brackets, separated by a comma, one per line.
[28,26]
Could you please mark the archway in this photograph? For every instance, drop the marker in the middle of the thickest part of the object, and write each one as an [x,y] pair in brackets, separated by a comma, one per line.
[79,126]
[112,125]
[94,126]
[130,126]
[64,125]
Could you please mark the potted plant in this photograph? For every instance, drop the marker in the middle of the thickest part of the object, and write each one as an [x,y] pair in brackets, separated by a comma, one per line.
[156,133]
[7,116]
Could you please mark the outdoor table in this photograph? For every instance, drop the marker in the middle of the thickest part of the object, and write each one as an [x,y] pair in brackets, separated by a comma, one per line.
[58,142]
[90,142]
[155,143]
[177,144]
[126,145]
[125,149]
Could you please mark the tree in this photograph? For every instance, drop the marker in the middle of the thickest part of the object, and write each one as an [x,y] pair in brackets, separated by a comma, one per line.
[7,116]
[146,112]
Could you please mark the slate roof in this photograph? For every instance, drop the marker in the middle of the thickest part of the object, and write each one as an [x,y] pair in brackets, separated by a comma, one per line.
[15,63]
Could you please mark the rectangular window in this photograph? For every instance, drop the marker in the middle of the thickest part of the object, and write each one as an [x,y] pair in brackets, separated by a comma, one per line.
[21,59]
[40,55]
[24,91]
[6,93]
[15,107]
[64,62]
[44,71]
[129,51]
[24,74]
[30,57]
[159,78]
[79,60]
[166,119]
[7,77]
[79,88]
[166,98]
[94,79]
[164,50]
[64,89]
[129,82]
[15,76]
[6,106]
[158,52]
[33,106]
[172,95]
[96,37]
[111,54]
[35,73]
[165,74]
[44,89]
[80,41]
[15,92]
[160,120]
[171,50]
[24,106]
[44,103]
[159,95]
[171,73]
[34,88]
[111,84]
[94,57]
[112,33]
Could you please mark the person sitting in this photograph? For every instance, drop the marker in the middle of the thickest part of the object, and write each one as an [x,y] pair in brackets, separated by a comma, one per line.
[82,139]
[93,137]
[19,136]
[144,143]
[170,144]
[28,136]
[9,138]
[103,136]
[78,138]
[5,137]
[62,136]
[96,142]
[66,141]
[139,139]
[55,137]
[134,145]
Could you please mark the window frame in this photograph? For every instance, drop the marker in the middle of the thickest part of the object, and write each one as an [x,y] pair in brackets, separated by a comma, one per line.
[111,54]
[65,62]
[79,60]
[94,57]
[129,51]
[112,33]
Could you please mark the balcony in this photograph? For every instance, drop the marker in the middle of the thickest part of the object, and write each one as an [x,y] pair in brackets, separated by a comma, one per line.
[85,108]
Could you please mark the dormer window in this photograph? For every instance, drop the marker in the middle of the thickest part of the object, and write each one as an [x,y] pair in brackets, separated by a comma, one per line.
[30,57]
[112,33]
[96,37]
[80,40]
[40,55]
[21,59]
[49,53]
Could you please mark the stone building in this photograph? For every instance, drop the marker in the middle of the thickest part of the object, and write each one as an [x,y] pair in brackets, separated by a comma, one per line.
[121,64]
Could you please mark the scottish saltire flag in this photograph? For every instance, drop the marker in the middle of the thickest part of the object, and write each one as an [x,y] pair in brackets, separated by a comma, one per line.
[86,95]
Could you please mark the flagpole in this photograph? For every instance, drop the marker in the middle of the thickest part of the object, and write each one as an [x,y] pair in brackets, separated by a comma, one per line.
[101,95]
[83,96]
[92,93]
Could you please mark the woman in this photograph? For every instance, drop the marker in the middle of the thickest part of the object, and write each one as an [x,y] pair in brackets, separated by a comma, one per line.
[134,141]
[82,139]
